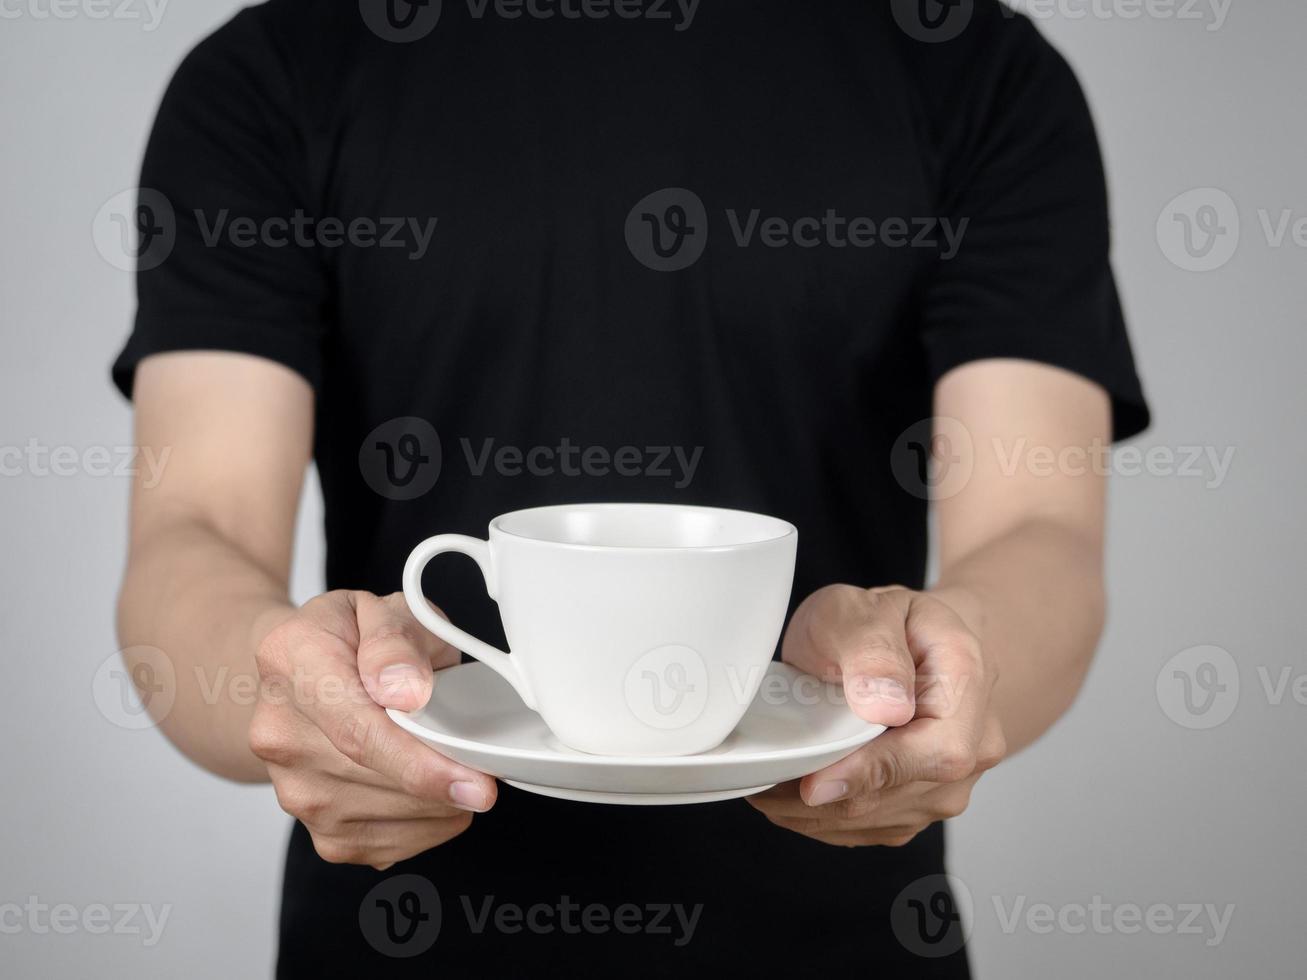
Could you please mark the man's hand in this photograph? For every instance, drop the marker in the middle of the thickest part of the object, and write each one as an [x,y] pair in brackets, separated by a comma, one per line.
[207,584]
[905,660]
[368,792]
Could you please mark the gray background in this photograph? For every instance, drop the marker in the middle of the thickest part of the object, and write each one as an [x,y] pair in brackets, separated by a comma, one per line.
[1125,799]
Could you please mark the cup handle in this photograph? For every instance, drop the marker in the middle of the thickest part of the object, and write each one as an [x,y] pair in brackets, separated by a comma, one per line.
[479,551]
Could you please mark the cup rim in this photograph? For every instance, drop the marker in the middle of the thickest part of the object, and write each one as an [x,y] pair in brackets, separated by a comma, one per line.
[786,530]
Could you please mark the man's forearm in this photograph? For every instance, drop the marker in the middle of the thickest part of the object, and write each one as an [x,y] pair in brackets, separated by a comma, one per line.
[1035,598]
[197,597]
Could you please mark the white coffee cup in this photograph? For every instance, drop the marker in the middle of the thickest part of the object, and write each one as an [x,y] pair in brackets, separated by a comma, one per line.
[635,629]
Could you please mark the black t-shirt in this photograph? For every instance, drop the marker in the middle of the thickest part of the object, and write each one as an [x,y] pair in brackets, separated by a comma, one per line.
[713,254]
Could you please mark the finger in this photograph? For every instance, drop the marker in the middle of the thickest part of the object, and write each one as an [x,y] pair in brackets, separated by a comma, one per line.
[852,776]
[786,800]
[775,796]
[862,777]
[396,653]
[857,636]
[328,801]
[922,802]
[950,738]
[953,680]
[791,807]
[289,743]
[396,805]
[329,692]
[952,735]
[930,750]
[782,808]
[382,843]
[845,824]
[877,667]
[898,836]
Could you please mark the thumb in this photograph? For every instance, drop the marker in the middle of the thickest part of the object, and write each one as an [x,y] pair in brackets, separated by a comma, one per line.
[857,637]
[396,653]
[876,666]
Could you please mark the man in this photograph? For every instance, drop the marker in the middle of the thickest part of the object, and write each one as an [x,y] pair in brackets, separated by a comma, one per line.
[756,247]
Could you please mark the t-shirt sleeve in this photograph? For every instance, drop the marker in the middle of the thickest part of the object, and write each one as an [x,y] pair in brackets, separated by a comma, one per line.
[224,188]
[1030,278]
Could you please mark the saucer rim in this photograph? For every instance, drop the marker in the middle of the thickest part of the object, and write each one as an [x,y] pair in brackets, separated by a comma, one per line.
[406,721]
[693,798]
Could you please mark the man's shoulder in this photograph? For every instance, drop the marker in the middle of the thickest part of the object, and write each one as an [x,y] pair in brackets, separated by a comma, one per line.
[288,56]
[295,36]
[957,38]
[976,65]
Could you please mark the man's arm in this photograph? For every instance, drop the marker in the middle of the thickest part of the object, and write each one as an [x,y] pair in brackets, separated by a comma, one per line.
[1021,545]
[206,583]
[210,545]
[985,661]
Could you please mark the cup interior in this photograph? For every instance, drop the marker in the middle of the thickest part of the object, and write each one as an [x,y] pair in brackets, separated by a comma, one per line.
[642,526]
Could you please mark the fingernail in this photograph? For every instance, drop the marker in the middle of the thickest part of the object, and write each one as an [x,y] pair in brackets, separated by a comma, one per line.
[398,679]
[881,700]
[468,796]
[880,689]
[828,792]
[894,691]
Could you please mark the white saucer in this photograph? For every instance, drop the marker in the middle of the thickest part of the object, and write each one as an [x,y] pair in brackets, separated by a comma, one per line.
[796,725]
